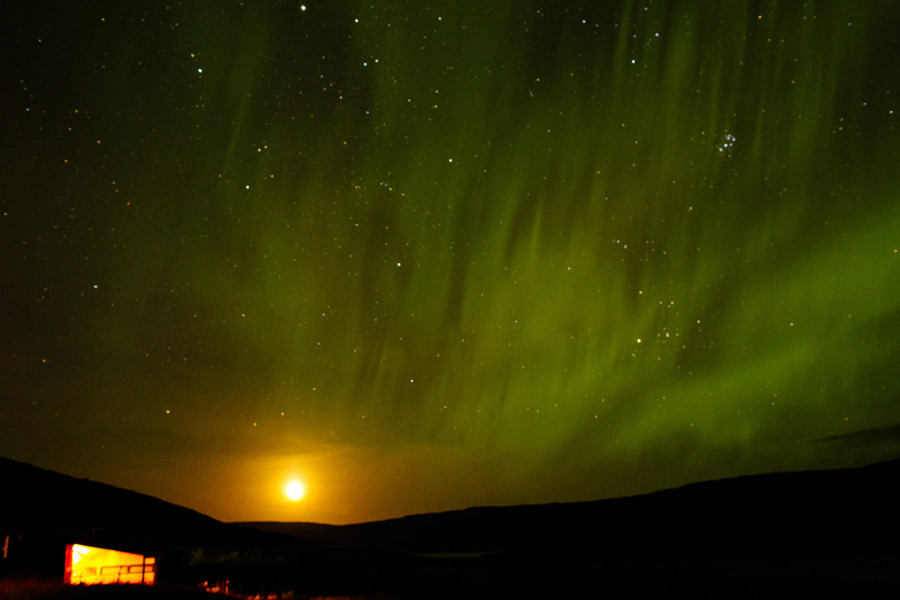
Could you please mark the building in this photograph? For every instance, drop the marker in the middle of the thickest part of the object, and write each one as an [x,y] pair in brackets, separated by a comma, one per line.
[89,565]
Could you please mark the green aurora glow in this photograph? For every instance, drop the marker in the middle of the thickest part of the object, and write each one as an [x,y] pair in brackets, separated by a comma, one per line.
[445,254]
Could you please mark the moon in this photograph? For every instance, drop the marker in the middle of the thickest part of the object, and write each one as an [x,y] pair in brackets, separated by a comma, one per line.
[294,490]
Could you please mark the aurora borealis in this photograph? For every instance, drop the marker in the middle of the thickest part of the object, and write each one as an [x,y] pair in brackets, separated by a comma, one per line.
[435,255]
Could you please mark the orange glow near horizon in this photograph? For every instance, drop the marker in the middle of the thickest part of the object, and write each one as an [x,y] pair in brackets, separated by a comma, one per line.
[342,484]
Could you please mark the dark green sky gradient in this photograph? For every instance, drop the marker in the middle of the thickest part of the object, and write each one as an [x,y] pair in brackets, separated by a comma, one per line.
[475,253]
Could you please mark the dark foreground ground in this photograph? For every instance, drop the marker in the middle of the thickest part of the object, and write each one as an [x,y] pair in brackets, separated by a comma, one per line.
[35,589]
[506,577]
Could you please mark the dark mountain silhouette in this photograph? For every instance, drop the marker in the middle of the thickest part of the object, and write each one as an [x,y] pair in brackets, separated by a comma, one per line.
[42,501]
[824,534]
[833,511]
[41,511]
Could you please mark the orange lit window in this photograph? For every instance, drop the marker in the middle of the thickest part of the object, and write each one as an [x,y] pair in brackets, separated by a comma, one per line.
[87,565]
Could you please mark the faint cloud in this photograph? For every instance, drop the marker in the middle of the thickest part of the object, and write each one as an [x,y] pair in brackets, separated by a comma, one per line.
[866,437]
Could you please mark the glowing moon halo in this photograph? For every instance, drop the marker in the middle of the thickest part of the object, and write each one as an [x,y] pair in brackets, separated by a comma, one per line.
[294,490]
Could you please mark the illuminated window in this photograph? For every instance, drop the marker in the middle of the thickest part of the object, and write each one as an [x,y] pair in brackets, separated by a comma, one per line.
[87,565]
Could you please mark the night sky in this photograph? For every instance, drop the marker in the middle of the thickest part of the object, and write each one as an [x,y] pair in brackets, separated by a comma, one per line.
[430,255]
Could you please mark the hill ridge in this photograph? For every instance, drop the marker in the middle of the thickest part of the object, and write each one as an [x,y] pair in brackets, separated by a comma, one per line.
[793,505]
